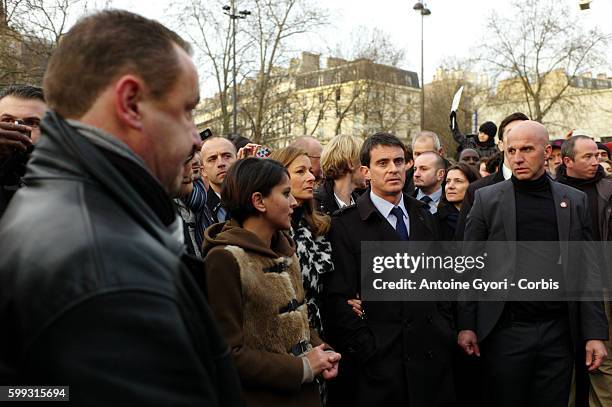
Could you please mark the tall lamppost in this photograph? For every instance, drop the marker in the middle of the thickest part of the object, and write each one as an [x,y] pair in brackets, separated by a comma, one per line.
[242,14]
[424,11]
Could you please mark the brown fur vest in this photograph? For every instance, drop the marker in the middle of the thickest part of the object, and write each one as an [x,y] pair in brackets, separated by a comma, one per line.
[275,316]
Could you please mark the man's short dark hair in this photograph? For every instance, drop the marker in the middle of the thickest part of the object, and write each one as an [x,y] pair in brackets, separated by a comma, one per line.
[238,141]
[23,92]
[243,179]
[102,46]
[569,145]
[378,139]
[509,119]
[408,154]
[494,162]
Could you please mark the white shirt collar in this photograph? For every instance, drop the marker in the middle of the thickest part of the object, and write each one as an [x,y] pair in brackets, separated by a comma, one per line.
[341,203]
[435,197]
[385,207]
[507,172]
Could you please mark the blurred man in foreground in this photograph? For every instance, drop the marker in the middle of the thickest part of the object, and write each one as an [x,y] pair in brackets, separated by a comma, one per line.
[95,292]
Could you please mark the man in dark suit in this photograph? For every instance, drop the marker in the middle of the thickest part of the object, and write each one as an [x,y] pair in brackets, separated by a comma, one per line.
[399,352]
[503,173]
[527,345]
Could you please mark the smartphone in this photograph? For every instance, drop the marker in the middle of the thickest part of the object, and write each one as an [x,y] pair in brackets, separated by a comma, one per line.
[263,152]
[207,133]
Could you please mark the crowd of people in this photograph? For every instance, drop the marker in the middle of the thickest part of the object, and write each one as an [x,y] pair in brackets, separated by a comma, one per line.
[146,263]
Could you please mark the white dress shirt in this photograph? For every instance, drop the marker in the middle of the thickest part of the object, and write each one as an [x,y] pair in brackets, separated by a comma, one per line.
[506,172]
[435,199]
[385,208]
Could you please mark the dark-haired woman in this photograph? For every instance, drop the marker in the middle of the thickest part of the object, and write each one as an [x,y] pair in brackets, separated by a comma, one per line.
[309,229]
[458,178]
[255,290]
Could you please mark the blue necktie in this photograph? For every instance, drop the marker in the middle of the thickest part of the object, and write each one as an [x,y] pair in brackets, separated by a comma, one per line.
[426,199]
[400,226]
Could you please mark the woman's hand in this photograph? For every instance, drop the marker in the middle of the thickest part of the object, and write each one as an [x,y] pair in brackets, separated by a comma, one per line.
[333,372]
[247,151]
[320,360]
[356,305]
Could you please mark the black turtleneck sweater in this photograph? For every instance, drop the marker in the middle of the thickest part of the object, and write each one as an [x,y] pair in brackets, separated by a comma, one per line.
[536,221]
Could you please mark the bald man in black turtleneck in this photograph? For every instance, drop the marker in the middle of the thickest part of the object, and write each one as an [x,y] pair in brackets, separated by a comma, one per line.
[527,346]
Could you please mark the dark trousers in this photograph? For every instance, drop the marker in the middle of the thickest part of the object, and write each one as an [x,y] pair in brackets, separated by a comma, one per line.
[528,364]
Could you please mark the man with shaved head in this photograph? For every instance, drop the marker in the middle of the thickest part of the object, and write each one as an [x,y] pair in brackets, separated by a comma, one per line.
[218,155]
[527,346]
[429,171]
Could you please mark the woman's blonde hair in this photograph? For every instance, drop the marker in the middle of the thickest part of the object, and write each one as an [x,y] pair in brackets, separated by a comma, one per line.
[317,222]
[340,155]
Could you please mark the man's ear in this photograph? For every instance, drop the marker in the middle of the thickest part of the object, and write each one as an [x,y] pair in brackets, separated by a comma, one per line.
[128,93]
[547,151]
[258,202]
[365,172]
[440,174]
[569,163]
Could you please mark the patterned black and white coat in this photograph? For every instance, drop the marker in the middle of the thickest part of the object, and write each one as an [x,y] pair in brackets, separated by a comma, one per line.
[314,254]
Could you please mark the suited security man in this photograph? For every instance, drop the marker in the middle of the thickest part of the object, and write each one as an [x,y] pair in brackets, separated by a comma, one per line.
[526,347]
[399,354]
[429,174]
[503,173]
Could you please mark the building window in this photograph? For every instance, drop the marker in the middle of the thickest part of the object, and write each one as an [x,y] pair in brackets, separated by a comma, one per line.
[321,98]
[338,94]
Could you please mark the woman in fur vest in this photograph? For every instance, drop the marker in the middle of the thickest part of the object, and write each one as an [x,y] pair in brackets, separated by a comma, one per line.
[309,230]
[255,290]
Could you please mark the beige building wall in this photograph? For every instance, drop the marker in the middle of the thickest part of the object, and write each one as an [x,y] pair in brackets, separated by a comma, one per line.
[347,97]
[586,106]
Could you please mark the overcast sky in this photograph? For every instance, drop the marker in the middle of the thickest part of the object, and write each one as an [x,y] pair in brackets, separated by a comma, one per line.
[453,28]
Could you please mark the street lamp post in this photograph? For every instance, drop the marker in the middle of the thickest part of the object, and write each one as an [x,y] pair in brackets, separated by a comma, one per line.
[231,12]
[424,11]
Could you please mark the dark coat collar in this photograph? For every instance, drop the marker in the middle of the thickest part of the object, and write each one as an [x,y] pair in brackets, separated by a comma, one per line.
[498,176]
[214,203]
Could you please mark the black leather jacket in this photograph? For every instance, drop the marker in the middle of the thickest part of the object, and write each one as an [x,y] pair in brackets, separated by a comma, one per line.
[96,294]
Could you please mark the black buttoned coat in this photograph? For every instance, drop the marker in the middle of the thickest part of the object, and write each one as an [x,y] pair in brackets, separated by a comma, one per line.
[400,354]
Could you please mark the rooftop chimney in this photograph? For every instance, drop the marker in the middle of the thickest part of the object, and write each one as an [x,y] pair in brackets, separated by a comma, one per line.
[334,62]
[310,62]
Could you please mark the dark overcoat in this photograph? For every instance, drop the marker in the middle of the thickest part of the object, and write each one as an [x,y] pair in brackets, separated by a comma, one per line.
[400,353]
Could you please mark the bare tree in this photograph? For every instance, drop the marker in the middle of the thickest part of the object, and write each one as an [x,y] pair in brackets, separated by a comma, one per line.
[542,51]
[273,24]
[376,94]
[209,30]
[30,30]
[450,76]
